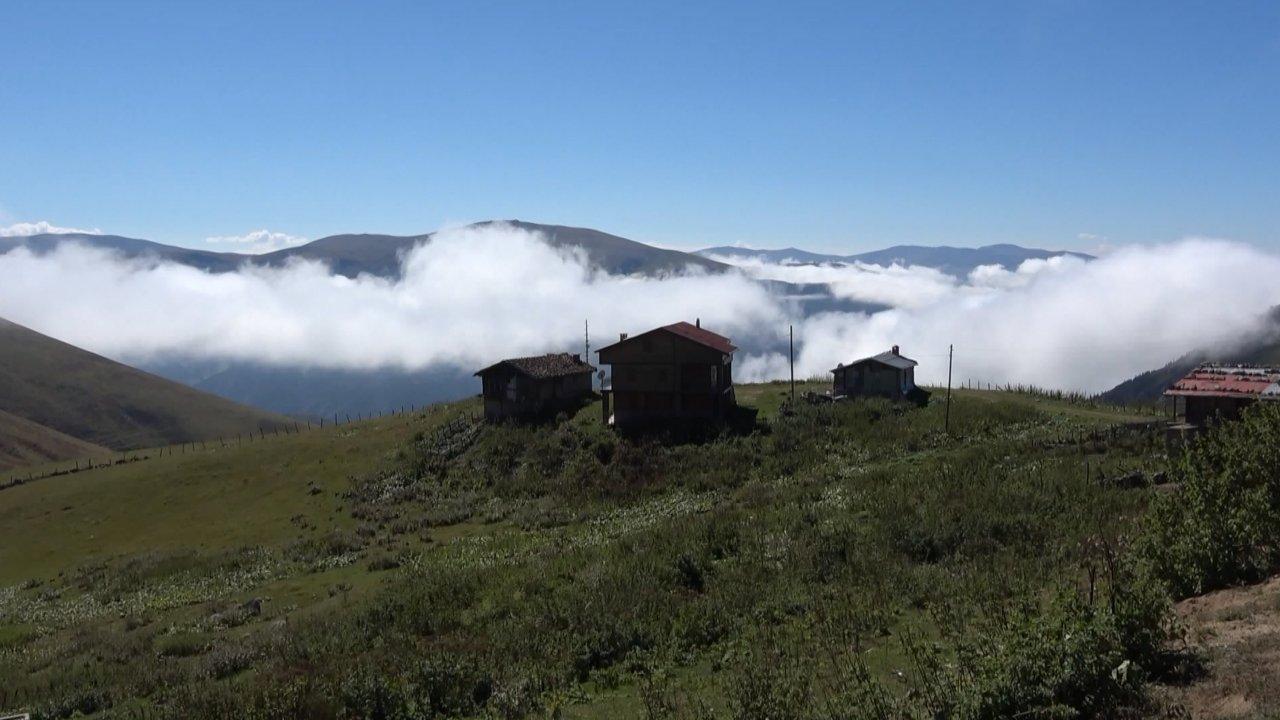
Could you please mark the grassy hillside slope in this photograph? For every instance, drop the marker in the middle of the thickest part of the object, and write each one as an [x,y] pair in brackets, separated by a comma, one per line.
[23,442]
[103,402]
[201,501]
[434,565]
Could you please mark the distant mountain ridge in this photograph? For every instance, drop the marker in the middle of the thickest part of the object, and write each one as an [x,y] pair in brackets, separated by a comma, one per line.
[353,254]
[957,261]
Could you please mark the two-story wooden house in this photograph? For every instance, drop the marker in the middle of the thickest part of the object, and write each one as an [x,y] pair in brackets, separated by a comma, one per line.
[675,372]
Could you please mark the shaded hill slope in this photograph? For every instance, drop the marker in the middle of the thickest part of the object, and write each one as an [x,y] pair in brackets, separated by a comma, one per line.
[23,442]
[103,402]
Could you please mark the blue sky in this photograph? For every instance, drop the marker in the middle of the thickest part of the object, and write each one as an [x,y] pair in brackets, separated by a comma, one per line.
[833,126]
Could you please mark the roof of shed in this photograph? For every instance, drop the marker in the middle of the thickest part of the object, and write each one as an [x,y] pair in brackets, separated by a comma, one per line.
[1237,381]
[890,358]
[544,366]
[691,332]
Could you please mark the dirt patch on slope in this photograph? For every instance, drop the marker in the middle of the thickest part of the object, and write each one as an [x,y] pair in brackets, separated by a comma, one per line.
[1238,633]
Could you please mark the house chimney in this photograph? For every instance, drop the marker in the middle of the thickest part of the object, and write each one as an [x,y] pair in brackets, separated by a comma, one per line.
[577,358]
[622,336]
[895,350]
[697,322]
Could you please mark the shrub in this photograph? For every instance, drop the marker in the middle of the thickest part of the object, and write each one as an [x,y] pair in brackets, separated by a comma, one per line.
[1222,525]
[227,659]
[181,644]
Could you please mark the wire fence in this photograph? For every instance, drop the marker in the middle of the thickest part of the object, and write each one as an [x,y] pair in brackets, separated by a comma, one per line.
[1154,409]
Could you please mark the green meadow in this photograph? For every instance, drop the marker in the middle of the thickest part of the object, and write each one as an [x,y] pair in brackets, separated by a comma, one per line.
[839,561]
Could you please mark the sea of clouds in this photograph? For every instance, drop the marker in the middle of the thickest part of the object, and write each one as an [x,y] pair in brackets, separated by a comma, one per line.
[474,295]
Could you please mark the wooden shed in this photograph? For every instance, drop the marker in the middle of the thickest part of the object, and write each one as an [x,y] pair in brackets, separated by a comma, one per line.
[675,372]
[1222,392]
[531,387]
[889,374]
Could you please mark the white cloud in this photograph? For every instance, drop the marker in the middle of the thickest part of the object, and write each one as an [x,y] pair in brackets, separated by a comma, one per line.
[466,298]
[256,241]
[894,285]
[476,294]
[42,227]
[997,276]
[1076,325]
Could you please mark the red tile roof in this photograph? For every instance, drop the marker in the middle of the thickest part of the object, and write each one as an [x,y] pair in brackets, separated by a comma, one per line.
[545,366]
[1238,381]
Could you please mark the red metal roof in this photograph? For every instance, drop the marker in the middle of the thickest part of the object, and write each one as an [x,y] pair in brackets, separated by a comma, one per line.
[688,332]
[701,336]
[1228,381]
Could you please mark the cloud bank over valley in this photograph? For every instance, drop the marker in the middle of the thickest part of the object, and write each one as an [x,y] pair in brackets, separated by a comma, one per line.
[476,294]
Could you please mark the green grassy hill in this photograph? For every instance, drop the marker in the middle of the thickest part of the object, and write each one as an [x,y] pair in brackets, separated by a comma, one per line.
[23,442]
[432,565]
[102,402]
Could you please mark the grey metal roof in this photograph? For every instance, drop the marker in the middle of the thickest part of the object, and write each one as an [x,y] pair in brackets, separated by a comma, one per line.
[901,362]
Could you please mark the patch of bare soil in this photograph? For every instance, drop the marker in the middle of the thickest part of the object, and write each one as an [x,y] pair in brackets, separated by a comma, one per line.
[1238,633]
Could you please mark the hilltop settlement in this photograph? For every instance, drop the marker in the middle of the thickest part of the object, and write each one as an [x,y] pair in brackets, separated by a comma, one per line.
[682,372]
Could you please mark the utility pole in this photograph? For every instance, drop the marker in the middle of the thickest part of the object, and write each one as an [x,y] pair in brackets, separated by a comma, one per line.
[951,351]
[791,344]
[586,343]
